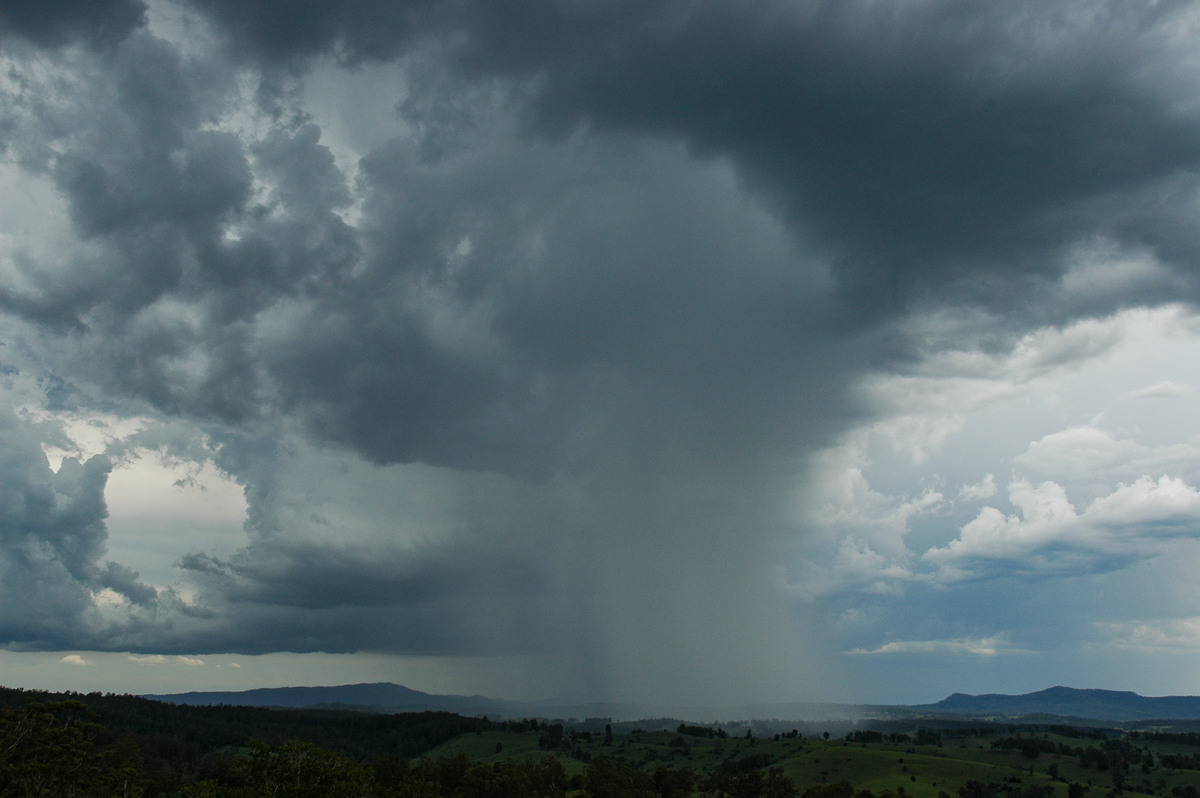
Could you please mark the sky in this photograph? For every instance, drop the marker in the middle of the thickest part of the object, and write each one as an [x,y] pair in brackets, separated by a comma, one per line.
[690,352]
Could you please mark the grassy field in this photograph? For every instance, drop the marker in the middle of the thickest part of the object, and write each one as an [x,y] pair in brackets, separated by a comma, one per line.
[902,768]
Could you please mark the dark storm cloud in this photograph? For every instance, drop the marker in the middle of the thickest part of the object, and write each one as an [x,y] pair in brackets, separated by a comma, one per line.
[945,146]
[355,29]
[610,251]
[125,143]
[175,256]
[54,24]
[942,144]
[309,597]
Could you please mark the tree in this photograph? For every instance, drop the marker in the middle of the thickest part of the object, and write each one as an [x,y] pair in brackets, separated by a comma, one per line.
[299,770]
[976,789]
[603,779]
[50,749]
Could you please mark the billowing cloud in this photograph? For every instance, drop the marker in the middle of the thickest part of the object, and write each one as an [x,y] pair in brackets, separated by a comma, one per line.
[1049,536]
[1086,531]
[984,489]
[1092,456]
[52,544]
[521,330]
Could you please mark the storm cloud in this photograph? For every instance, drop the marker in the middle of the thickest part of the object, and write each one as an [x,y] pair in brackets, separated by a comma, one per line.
[525,330]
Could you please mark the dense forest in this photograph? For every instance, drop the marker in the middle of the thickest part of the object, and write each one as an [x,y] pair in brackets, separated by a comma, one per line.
[116,745]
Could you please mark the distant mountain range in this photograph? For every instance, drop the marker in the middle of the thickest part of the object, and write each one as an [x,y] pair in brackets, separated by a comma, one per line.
[1064,703]
[1067,702]
[388,697]
[378,695]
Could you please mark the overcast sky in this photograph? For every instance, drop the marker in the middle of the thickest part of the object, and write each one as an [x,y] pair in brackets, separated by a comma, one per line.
[689,352]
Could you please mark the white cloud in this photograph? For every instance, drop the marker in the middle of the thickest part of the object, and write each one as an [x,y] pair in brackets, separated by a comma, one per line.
[75,660]
[1092,497]
[919,410]
[962,384]
[859,567]
[108,597]
[858,532]
[1075,447]
[956,353]
[1149,504]
[159,659]
[1173,634]
[840,495]
[1091,457]
[1048,536]
[984,489]
[1162,390]
[965,646]
[147,659]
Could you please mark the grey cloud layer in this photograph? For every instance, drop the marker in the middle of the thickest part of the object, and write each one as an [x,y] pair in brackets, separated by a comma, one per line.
[945,144]
[55,24]
[967,152]
[630,257]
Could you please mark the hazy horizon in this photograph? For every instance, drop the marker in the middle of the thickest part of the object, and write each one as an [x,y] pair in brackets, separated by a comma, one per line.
[804,350]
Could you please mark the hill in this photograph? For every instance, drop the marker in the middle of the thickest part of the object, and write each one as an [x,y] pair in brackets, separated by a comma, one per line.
[389,697]
[1061,703]
[1067,702]
[376,695]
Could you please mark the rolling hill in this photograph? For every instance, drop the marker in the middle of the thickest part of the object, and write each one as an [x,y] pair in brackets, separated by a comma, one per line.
[1056,702]
[1067,702]
[376,695]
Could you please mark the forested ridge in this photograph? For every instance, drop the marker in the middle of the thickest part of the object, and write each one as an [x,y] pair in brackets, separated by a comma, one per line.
[206,728]
[171,745]
[80,745]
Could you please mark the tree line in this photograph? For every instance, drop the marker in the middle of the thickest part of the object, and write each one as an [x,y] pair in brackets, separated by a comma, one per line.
[57,749]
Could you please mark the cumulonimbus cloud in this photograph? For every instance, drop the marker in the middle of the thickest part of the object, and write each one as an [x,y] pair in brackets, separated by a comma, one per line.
[630,260]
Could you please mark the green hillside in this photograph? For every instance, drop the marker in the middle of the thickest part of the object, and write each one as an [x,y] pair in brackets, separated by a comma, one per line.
[108,745]
[1041,764]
